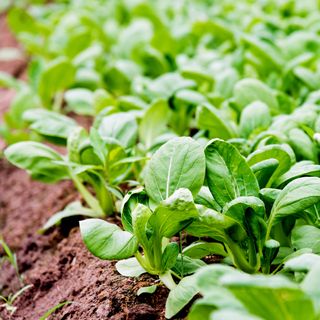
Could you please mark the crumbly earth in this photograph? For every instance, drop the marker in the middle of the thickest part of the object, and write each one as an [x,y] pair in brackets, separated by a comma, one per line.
[57,264]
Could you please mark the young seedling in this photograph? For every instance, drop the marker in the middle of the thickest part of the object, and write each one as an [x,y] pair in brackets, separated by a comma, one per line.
[9,301]
[54,309]
[11,257]
[174,174]
[101,159]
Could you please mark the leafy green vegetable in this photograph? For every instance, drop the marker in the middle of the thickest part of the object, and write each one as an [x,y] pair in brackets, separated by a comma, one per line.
[180,163]
[228,174]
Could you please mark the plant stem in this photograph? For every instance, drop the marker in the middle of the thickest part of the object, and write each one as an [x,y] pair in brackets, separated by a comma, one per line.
[157,251]
[167,280]
[180,250]
[145,265]
[103,195]
[58,100]
[239,259]
[88,197]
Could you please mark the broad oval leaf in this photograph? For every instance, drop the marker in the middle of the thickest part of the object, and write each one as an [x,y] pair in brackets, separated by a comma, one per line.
[129,203]
[302,145]
[174,214]
[256,116]
[140,218]
[200,249]
[228,174]
[119,126]
[169,256]
[282,153]
[180,163]
[57,75]
[248,90]
[149,290]
[130,267]
[296,197]
[249,212]
[211,119]
[306,236]
[153,122]
[300,169]
[38,160]
[283,297]
[49,123]
[181,295]
[73,209]
[106,240]
[217,226]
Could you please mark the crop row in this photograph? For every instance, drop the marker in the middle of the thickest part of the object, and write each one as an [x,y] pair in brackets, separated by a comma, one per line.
[205,128]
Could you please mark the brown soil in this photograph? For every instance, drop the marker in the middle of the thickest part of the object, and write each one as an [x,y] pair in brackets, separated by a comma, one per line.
[57,264]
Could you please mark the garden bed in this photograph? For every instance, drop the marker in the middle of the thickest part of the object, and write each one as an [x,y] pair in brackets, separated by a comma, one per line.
[160,161]
[57,264]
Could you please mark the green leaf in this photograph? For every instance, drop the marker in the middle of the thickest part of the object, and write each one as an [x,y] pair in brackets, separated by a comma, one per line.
[72,209]
[127,103]
[140,218]
[226,314]
[153,122]
[80,101]
[217,226]
[75,140]
[169,256]
[8,81]
[166,85]
[311,285]
[268,52]
[302,145]
[180,296]
[38,160]
[130,267]
[311,79]
[306,237]
[149,290]
[25,99]
[58,75]
[278,152]
[264,170]
[49,123]
[255,117]
[179,163]
[99,145]
[269,195]
[228,174]
[106,240]
[129,203]
[205,198]
[120,126]
[53,309]
[185,265]
[271,298]
[201,249]
[270,251]
[211,119]
[174,214]
[249,212]
[302,262]
[299,169]
[296,197]
[219,298]
[247,91]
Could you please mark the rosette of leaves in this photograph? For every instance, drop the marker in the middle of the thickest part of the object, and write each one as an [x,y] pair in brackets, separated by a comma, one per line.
[102,159]
[152,217]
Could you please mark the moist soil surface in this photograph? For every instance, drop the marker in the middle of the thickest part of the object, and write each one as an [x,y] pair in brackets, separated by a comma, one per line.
[57,264]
